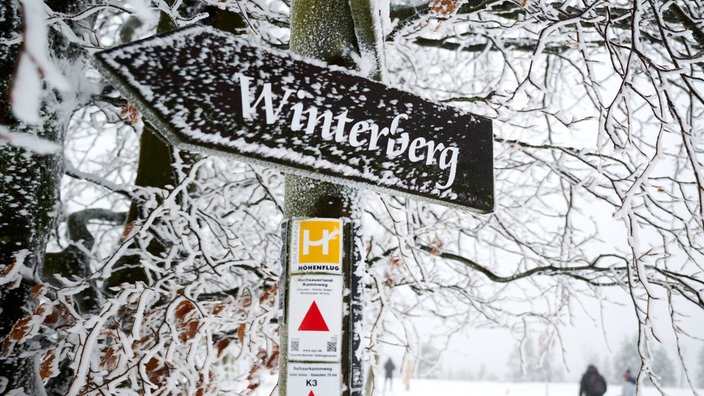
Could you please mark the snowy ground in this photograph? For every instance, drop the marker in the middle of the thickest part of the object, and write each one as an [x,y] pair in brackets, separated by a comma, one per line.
[421,387]
[427,387]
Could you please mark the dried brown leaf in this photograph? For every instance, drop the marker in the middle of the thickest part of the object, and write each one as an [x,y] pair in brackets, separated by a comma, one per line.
[272,361]
[246,299]
[395,262]
[110,359]
[38,290]
[6,269]
[59,314]
[190,331]
[156,371]
[48,368]
[269,295]
[218,308]
[444,8]
[144,343]
[128,229]
[43,310]
[572,43]
[240,332]
[221,345]
[183,309]
[131,113]
[20,330]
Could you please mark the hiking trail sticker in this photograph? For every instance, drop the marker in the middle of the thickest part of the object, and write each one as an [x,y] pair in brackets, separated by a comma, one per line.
[314,379]
[315,318]
[316,245]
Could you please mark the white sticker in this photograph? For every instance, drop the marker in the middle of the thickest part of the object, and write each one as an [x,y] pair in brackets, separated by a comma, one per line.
[315,318]
[314,379]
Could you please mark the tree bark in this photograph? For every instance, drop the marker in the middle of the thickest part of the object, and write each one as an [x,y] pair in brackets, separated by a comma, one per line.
[326,30]
[29,205]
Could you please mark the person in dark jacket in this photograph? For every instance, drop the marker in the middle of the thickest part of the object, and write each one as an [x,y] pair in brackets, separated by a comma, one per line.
[592,383]
[389,368]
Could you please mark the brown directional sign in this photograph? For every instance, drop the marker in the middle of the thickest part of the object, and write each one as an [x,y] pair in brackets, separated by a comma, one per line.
[209,90]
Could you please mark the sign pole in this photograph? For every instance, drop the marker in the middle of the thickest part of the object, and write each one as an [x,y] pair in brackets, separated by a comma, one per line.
[320,330]
[324,30]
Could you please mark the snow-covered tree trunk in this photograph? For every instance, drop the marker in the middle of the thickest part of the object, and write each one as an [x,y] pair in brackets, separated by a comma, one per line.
[29,188]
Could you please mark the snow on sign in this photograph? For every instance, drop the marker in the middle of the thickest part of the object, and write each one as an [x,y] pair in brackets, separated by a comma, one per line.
[316,245]
[316,379]
[209,90]
[315,318]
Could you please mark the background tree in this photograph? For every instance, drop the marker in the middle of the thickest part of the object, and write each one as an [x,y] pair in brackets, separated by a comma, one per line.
[42,343]
[626,358]
[535,361]
[597,175]
[30,116]
[665,367]
[429,361]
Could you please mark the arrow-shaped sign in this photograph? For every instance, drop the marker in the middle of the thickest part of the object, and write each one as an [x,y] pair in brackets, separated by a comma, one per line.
[209,90]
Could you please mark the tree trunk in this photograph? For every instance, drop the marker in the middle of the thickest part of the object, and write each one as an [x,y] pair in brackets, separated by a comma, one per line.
[29,206]
[326,30]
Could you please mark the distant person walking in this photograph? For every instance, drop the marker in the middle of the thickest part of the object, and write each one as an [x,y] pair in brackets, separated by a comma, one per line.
[629,386]
[592,383]
[389,368]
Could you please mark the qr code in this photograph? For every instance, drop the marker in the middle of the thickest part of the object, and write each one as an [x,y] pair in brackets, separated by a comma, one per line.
[332,346]
[294,345]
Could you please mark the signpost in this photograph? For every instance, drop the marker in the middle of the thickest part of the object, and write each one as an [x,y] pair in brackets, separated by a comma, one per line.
[210,91]
[258,104]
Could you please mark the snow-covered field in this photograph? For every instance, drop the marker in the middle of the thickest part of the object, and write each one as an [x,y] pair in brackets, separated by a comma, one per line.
[428,387]
[422,387]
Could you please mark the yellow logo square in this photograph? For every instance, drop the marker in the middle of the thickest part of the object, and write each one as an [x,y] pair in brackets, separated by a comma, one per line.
[319,241]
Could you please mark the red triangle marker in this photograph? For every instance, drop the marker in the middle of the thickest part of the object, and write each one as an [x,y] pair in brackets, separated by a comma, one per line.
[313,321]
[311,393]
